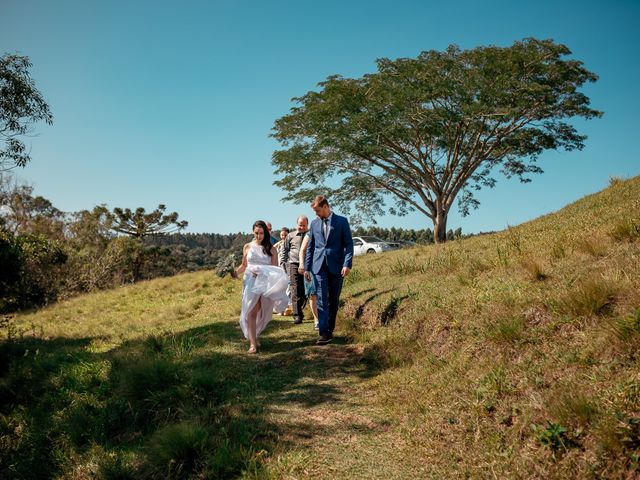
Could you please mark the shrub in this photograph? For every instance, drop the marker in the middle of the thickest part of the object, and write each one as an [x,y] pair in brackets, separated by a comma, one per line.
[12,265]
[31,266]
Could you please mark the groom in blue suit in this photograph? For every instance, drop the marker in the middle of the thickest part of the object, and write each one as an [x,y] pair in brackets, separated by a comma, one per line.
[329,256]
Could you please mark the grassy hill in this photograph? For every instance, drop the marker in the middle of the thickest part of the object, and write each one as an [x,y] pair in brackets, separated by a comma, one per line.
[512,355]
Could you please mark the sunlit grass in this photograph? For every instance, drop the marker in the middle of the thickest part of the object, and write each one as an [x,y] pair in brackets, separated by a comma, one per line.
[512,355]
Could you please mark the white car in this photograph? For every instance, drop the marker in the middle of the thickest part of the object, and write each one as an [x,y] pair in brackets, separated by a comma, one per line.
[362,245]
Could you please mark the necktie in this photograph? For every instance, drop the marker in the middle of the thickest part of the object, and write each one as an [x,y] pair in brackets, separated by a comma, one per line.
[325,227]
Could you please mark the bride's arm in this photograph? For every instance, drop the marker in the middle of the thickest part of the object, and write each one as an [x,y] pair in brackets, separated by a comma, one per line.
[243,266]
[274,257]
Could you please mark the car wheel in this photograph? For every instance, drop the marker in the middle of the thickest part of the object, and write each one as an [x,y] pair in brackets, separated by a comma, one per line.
[371,250]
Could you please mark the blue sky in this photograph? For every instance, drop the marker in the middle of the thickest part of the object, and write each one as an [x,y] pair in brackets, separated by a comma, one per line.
[173,102]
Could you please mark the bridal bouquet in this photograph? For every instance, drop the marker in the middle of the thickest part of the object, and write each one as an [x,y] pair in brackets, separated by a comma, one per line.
[226,265]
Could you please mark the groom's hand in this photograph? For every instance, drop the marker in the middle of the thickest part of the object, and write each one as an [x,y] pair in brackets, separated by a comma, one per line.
[307,276]
[345,271]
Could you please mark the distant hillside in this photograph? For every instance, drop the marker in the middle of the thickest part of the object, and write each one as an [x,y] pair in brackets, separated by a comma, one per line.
[509,355]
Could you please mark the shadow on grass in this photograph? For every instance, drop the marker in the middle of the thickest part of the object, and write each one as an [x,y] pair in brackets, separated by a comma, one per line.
[362,292]
[173,405]
[360,310]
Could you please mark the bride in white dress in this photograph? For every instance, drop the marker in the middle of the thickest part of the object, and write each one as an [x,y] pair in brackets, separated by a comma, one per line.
[264,285]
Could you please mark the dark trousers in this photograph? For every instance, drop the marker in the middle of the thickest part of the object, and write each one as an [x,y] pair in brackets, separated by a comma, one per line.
[296,291]
[328,288]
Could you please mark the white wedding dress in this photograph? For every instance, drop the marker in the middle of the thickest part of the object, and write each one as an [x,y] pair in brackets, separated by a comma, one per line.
[262,281]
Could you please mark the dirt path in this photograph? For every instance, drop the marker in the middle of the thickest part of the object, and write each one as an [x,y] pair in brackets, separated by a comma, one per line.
[326,422]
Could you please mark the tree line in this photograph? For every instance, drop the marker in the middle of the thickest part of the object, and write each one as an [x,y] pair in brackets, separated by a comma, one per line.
[47,254]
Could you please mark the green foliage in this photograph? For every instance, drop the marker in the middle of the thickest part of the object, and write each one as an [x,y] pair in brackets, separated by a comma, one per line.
[392,234]
[21,105]
[555,437]
[423,131]
[26,214]
[139,223]
[31,273]
[226,266]
[12,264]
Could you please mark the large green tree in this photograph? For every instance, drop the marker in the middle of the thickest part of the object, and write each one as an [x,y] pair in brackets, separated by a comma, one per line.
[21,105]
[139,224]
[424,131]
[22,213]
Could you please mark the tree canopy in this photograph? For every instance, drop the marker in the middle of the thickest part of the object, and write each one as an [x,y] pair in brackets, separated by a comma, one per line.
[139,223]
[21,105]
[421,132]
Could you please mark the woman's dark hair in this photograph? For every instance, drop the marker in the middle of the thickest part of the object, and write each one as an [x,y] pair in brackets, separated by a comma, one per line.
[266,240]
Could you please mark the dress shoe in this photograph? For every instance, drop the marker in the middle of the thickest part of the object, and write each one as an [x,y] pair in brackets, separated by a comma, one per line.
[323,340]
[297,321]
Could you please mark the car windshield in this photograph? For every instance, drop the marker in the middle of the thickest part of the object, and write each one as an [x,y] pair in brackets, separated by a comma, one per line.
[372,239]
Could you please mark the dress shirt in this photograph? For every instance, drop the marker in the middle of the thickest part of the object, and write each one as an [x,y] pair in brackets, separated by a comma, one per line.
[290,252]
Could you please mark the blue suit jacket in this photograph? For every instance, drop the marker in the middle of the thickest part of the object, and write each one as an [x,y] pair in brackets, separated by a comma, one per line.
[336,251]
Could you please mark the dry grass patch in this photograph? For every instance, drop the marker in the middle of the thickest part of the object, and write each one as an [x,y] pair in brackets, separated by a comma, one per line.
[593,296]
[507,330]
[534,268]
[627,230]
[573,407]
[595,245]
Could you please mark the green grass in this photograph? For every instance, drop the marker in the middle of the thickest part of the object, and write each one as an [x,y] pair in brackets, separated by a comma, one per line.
[512,355]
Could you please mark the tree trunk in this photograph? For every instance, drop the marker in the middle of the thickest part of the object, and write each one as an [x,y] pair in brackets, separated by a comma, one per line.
[136,267]
[440,227]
